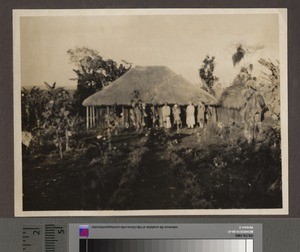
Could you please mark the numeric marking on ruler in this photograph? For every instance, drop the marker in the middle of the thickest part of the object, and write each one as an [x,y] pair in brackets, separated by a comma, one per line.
[55,238]
[32,238]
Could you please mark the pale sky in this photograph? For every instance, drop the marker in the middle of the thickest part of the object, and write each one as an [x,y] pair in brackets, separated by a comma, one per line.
[179,42]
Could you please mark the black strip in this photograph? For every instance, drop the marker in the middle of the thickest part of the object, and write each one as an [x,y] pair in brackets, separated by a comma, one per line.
[82,245]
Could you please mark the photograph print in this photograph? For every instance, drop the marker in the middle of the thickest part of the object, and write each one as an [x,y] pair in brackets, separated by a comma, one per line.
[150,112]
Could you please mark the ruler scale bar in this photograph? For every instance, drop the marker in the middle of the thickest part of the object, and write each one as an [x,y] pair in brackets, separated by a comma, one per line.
[52,238]
[32,238]
[55,239]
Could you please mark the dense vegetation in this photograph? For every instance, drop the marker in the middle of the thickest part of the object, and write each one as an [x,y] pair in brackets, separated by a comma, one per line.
[173,170]
[66,167]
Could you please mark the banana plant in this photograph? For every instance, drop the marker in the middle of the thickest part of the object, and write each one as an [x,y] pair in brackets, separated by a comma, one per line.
[58,119]
[33,102]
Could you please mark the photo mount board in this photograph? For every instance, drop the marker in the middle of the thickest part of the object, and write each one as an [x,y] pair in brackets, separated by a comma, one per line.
[18,14]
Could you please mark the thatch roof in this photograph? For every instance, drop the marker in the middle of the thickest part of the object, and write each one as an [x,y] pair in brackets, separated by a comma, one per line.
[156,84]
[234,97]
[238,95]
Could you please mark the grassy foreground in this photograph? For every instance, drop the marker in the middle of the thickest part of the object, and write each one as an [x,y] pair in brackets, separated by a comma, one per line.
[154,170]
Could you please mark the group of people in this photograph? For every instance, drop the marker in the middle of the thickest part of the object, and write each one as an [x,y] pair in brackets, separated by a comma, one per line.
[147,116]
[140,115]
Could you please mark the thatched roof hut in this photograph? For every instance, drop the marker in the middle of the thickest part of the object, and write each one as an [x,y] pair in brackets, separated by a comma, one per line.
[155,84]
[240,102]
[239,95]
[234,97]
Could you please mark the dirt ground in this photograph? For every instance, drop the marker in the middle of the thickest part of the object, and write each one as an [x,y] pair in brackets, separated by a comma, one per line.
[153,170]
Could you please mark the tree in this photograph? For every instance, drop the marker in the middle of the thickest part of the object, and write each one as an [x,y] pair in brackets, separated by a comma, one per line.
[238,55]
[243,76]
[33,103]
[270,87]
[48,117]
[59,121]
[206,73]
[93,73]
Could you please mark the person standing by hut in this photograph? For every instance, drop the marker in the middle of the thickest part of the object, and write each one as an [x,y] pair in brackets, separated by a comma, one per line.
[132,114]
[200,114]
[112,123]
[208,114]
[139,115]
[190,115]
[166,113]
[155,115]
[176,114]
[146,116]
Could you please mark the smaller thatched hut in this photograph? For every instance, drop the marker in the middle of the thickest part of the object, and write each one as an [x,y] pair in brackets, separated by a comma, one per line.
[232,101]
[155,85]
[242,104]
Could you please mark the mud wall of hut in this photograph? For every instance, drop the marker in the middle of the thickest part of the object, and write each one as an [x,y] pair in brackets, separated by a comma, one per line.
[96,115]
[224,115]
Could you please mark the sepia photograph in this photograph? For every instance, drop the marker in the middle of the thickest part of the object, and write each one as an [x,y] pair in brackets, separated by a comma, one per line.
[150,112]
